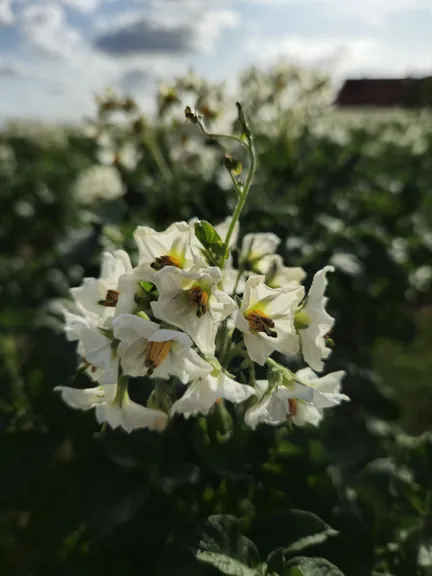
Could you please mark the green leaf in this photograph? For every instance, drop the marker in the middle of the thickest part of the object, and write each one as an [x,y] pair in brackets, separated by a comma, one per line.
[303,566]
[290,532]
[229,566]
[221,541]
[210,239]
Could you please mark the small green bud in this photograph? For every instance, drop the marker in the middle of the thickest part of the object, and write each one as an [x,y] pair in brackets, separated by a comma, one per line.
[232,165]
[142,315]
[301,320]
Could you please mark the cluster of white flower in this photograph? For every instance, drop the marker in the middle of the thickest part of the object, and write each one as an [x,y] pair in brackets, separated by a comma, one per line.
[178,315]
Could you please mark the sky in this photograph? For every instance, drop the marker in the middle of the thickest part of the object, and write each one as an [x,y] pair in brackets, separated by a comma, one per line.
[55,55]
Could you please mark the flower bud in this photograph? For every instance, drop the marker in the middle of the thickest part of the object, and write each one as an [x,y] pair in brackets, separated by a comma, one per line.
[232,165]
[191,115]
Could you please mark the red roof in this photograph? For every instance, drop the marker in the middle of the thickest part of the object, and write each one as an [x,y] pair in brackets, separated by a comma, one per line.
[386,92]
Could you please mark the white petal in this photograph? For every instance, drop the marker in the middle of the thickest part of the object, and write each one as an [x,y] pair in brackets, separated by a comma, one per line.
[81,399]
[129,328]
[186,364]
[128,286]
[272,409]
[109,413]
[199,397]
[306,414]
[259,347]
[221,305]
[113,266]
[129,156]
[277,274]
[229,280]
[105,156]
[254,291]
[330,383]
[261,387]
[135,416]
[174,241]
[133,356]
[74,325]
[256,246]
[165,335]
[111,370]
[231,390]
[306,375]
[312,338]
[88,295]
[222,230]
[283,301]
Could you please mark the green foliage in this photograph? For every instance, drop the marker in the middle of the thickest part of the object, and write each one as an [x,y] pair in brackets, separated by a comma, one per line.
[213,244]
[209,496]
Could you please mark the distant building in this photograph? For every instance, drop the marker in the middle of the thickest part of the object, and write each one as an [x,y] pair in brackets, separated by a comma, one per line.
[386,92]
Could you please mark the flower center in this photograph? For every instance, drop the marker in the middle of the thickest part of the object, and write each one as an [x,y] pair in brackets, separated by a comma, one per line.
[302,320]
[165,260]
[199,298]
[292,405]
[111,299]
[156,354]
[259,322]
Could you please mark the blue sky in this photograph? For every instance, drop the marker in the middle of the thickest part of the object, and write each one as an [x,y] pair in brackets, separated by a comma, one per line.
[56,54]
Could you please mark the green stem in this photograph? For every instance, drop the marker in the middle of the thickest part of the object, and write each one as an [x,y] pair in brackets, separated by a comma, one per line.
[245,190]
[237,280]
[152,146]
[235,184]
[218,136]
[243,196]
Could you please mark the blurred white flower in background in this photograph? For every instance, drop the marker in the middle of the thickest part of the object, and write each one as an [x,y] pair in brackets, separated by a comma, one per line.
[98,183]
[126,154]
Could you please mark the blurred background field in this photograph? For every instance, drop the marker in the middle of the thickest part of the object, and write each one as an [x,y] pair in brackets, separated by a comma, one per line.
[346,187]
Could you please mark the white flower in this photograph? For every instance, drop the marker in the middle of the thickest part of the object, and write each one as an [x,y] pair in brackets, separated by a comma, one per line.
[256,246]
[222,230]
[277,274]
[146,348]
[115,408]
[205,391]
[191,301]
[128,288]
[98,183]
[174,247]
[97,296]
[317,321]
[94,346]
[231,279]
[266,319]
[110,152]
[303,403]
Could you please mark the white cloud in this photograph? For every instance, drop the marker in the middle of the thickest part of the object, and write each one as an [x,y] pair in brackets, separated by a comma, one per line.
[342,56]
[6,14]
[370,11]
[46,29]
[84,5]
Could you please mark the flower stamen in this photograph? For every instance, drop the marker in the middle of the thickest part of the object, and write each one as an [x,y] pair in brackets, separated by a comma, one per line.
[156,354]
[200,298]
[165,260]
[111,299]
[292,405]
[258,322]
